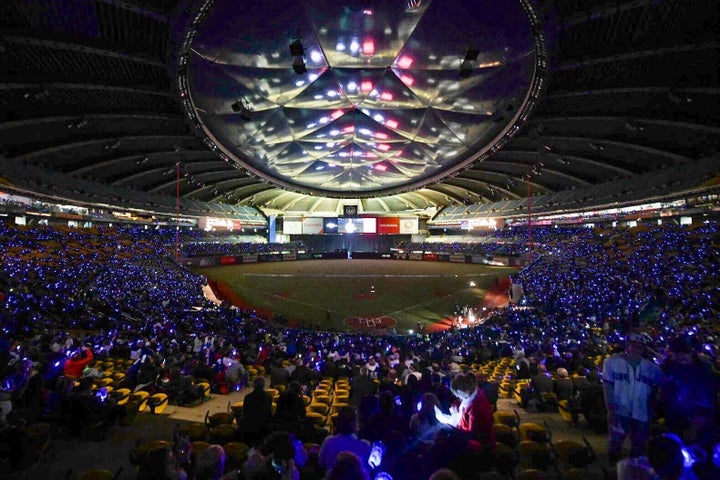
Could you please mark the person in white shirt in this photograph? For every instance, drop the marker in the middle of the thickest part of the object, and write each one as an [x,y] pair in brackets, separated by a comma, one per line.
[373,368]
[629,381]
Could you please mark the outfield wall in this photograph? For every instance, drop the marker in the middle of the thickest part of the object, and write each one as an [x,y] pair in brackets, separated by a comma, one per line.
[504,261]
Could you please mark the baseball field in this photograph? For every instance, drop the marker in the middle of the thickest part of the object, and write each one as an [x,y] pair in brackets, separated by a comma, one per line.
[360,294]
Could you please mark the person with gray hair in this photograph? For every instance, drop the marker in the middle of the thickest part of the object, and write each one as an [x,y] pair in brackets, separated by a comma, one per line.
[210,463]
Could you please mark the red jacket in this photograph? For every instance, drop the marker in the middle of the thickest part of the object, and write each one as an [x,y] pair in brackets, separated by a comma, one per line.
[74,368]
[478,419]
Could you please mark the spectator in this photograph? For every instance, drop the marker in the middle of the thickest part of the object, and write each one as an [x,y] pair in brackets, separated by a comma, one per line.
[491,389]
[79,359]
[629,383]
[273,460]
[539,384]
[257,413]
[564,387]
[474,414]
[210,463]
[688,392]
[348,466]
[424,424]
[278,374]
[592,403]
[290,410]
[345,439]
[664,460]
[362,386]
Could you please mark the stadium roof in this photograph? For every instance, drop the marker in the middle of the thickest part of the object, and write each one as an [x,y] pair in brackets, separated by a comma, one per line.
[403,105]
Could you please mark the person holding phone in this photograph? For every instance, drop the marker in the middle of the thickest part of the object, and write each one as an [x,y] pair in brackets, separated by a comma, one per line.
[474,413]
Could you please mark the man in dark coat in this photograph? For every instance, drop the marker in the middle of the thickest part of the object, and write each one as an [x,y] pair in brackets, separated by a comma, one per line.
[257,413]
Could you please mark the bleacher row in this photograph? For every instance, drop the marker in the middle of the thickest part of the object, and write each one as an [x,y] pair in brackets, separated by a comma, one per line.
[524,449]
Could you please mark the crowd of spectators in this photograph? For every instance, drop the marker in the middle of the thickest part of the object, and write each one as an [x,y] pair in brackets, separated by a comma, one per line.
[208,248]
[69,295]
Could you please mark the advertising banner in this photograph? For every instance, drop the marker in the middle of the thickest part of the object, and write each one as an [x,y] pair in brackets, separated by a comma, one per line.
[388,225]
[250,258]
[292,226]
[415,256]
[457,258]
[430,257]
[408,225]
[369,225]
[206,262]
[312,226]
[479,259]
[210,223]
[289,256]
[228,260]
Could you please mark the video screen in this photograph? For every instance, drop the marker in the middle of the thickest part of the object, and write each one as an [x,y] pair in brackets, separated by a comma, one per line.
[357,225]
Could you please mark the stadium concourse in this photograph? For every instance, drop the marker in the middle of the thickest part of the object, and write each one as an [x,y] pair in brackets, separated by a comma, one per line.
[109,344]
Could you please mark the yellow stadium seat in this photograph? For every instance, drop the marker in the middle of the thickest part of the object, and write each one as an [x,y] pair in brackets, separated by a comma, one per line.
[219,418]
[140,454]
[506,435]
[564,410]
[322,399]
[316,418]
[205,389]
[337,406]
[222,434]
[573,455]
[236,454]
[141,398]
[534,432]
[535,455]
[196,432]
[506,417]
[273,392]
[321,408]
[237,409]
[157,403]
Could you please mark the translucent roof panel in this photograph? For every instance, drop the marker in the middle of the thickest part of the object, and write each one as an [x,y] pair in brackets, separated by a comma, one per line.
[360,98]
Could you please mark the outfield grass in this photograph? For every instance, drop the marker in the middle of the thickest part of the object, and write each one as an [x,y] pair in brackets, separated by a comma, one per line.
[409,291]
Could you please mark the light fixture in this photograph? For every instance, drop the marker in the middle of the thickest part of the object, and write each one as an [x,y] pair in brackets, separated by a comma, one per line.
[596,147]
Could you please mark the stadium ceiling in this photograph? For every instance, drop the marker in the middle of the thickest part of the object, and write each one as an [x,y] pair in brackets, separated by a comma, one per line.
[402,105]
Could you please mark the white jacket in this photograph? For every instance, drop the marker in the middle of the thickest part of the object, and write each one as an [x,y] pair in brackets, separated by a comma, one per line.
[632,387]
